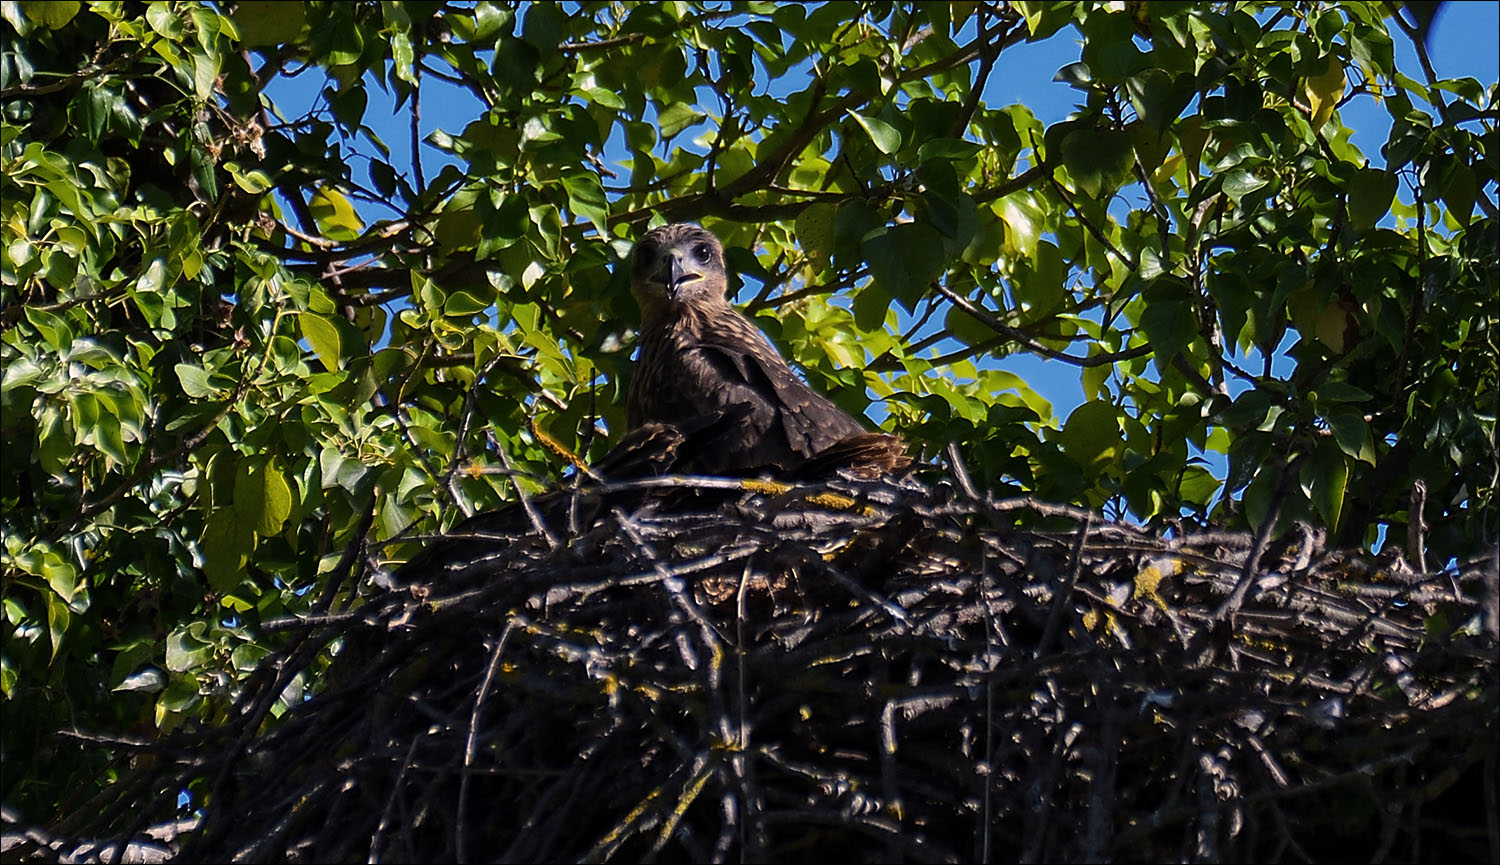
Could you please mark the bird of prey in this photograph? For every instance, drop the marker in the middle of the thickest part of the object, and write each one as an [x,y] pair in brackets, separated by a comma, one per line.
[710,395]
[701,356]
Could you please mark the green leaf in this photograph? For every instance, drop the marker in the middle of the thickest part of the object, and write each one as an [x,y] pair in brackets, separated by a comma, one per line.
[403,58]
[159,15]
[61,576]
[225,549]
[1091,436]
[1327,476]
[1158,98]
[247,656]
[1023,223]
[147,681]
[346,41]
[1170,320]
[1323,90]
[1094,379]
[885,137]
[905,259]
[871,303]
[187,649]
[1076,75]
[815,231]
[462,304]
[853,220]
[334,214]
[489,21]
[1038,284]
[1370,195]
[154,277]
[108,438]
[347,104]
[677,117]
[1241,182]
[262,497]
[53,14]
[58,619]
[947,148]
[1257,498]
[253,182]
[383,174]
[54,444]
[1338,391]
[1460,192]
[1197,485]
[323,336]
[1097,159]
[586,198]
[1044,18]
[269,22]
[966,328]
[194,380]
[179,697]
[205,71]
[1248,410]
[1352,433]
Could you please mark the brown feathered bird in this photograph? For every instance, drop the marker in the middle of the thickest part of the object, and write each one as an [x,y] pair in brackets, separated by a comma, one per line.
[710,396]
[700,355]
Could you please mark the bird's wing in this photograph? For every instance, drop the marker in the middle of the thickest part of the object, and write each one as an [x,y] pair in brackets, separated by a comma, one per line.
[717,375]
[752,371]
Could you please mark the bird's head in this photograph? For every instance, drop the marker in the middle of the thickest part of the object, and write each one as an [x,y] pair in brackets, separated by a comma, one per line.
[678,263]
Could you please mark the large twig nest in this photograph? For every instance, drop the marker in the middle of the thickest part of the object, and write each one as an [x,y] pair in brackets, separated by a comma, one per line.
[867,671]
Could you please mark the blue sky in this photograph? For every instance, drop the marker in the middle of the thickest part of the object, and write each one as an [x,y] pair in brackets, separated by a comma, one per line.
[1465,43]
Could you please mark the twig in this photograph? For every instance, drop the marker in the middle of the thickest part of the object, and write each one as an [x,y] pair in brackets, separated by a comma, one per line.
[1262,536]
[460,837]
[1065,591]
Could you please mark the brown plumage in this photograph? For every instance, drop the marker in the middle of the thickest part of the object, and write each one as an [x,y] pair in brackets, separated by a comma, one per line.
[700,355]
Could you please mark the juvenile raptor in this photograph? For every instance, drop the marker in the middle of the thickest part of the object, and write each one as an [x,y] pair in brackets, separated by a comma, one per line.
[701,356]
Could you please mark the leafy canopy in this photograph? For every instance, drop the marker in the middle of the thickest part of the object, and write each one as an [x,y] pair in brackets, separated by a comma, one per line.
[237,342]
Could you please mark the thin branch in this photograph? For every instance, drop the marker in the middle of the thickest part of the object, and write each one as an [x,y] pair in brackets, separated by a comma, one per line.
[1021,337]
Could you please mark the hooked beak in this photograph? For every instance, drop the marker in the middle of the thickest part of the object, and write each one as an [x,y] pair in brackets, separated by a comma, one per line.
[675,276]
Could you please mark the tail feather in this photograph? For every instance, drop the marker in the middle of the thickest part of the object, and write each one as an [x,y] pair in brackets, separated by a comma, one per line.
[867,456]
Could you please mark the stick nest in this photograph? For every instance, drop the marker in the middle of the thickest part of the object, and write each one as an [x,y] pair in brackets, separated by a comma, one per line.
[863,671]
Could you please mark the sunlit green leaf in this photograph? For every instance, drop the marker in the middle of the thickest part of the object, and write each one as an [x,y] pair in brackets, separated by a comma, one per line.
[885,136]
[52,14]
[1324,90]
[262,497]
[586,198]
[677,117]
[323,336]
[194,380]
[58,619]
[336,217]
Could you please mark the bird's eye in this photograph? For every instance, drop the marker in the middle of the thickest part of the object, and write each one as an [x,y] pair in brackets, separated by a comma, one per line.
[703,253]
[645,257]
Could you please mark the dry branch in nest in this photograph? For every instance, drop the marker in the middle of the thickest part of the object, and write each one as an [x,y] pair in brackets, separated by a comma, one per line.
[862,671]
